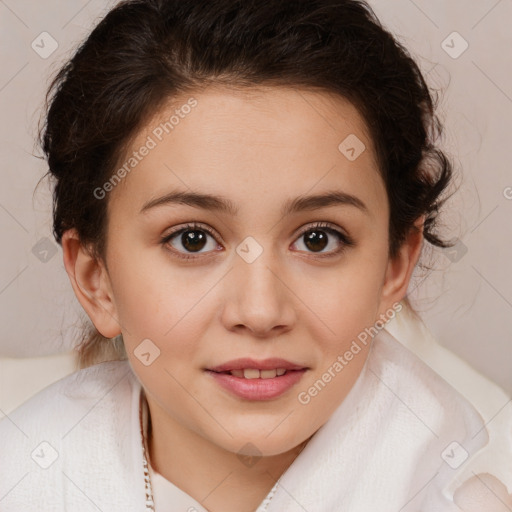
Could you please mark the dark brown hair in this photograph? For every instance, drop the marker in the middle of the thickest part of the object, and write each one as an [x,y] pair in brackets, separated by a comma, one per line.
[145,52]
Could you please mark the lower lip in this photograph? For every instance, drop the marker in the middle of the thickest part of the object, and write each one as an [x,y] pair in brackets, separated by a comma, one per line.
[258,389]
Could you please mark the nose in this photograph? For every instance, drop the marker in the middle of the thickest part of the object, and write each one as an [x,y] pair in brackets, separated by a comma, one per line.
[258,299]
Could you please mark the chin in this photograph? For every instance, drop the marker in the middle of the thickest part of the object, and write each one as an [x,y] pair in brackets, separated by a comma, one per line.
[260,444]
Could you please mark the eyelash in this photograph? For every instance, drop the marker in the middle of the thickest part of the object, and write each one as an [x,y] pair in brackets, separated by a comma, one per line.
[325,226]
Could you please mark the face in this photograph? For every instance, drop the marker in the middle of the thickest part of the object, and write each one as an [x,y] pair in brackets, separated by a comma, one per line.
[261,271]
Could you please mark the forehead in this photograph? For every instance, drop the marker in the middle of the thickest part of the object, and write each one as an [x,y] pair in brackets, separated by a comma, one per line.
[263,143]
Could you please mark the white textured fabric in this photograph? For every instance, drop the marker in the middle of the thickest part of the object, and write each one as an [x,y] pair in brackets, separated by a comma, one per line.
[380,450]
[169,498]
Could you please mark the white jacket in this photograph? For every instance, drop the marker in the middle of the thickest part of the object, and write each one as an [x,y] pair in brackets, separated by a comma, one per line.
[395,443]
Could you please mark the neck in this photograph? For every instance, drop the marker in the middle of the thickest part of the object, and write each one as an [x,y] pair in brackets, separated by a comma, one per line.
[214,477]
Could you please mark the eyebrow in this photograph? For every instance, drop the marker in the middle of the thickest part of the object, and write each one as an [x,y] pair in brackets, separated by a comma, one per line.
[224,205]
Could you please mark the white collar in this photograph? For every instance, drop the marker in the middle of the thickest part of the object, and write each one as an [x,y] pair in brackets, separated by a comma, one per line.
[381,449]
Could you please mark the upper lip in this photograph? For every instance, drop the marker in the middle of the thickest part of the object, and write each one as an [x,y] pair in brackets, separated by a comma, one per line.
[264,364]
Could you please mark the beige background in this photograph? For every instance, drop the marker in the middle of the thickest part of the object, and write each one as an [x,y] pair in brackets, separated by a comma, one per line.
[466,300]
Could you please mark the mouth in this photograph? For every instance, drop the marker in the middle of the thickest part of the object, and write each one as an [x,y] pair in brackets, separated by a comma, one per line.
[254,380]
[254,373]
[249,368]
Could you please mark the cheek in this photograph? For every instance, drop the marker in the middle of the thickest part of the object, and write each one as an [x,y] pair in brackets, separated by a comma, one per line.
[153,299]
[347,299]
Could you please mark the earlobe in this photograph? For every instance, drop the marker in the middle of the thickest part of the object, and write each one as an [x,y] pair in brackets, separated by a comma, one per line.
[400,268]
[91,284]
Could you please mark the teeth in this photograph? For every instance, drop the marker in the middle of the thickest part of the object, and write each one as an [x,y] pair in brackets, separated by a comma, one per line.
[252,373]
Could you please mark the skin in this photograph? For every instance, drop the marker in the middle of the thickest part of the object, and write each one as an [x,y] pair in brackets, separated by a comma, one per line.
[258,148]
[483,492]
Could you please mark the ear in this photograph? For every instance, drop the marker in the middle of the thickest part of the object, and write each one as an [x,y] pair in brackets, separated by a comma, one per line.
[400,268]
[91,284]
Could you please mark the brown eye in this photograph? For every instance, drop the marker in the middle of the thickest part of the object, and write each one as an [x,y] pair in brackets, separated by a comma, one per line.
[193,240]
[316,240]
[321,236]
[189,240]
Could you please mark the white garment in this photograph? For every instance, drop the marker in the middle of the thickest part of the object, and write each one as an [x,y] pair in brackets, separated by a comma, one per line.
[381,450]
[166,495]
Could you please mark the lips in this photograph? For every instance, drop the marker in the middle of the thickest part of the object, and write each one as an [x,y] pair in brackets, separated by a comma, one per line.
[257,388]
[273,363]
[253,379]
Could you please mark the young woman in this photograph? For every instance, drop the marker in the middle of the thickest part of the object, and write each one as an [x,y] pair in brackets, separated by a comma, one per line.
[242,191]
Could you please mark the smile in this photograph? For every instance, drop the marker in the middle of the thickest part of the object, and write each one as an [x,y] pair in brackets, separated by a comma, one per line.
[253,373]
[253,384]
